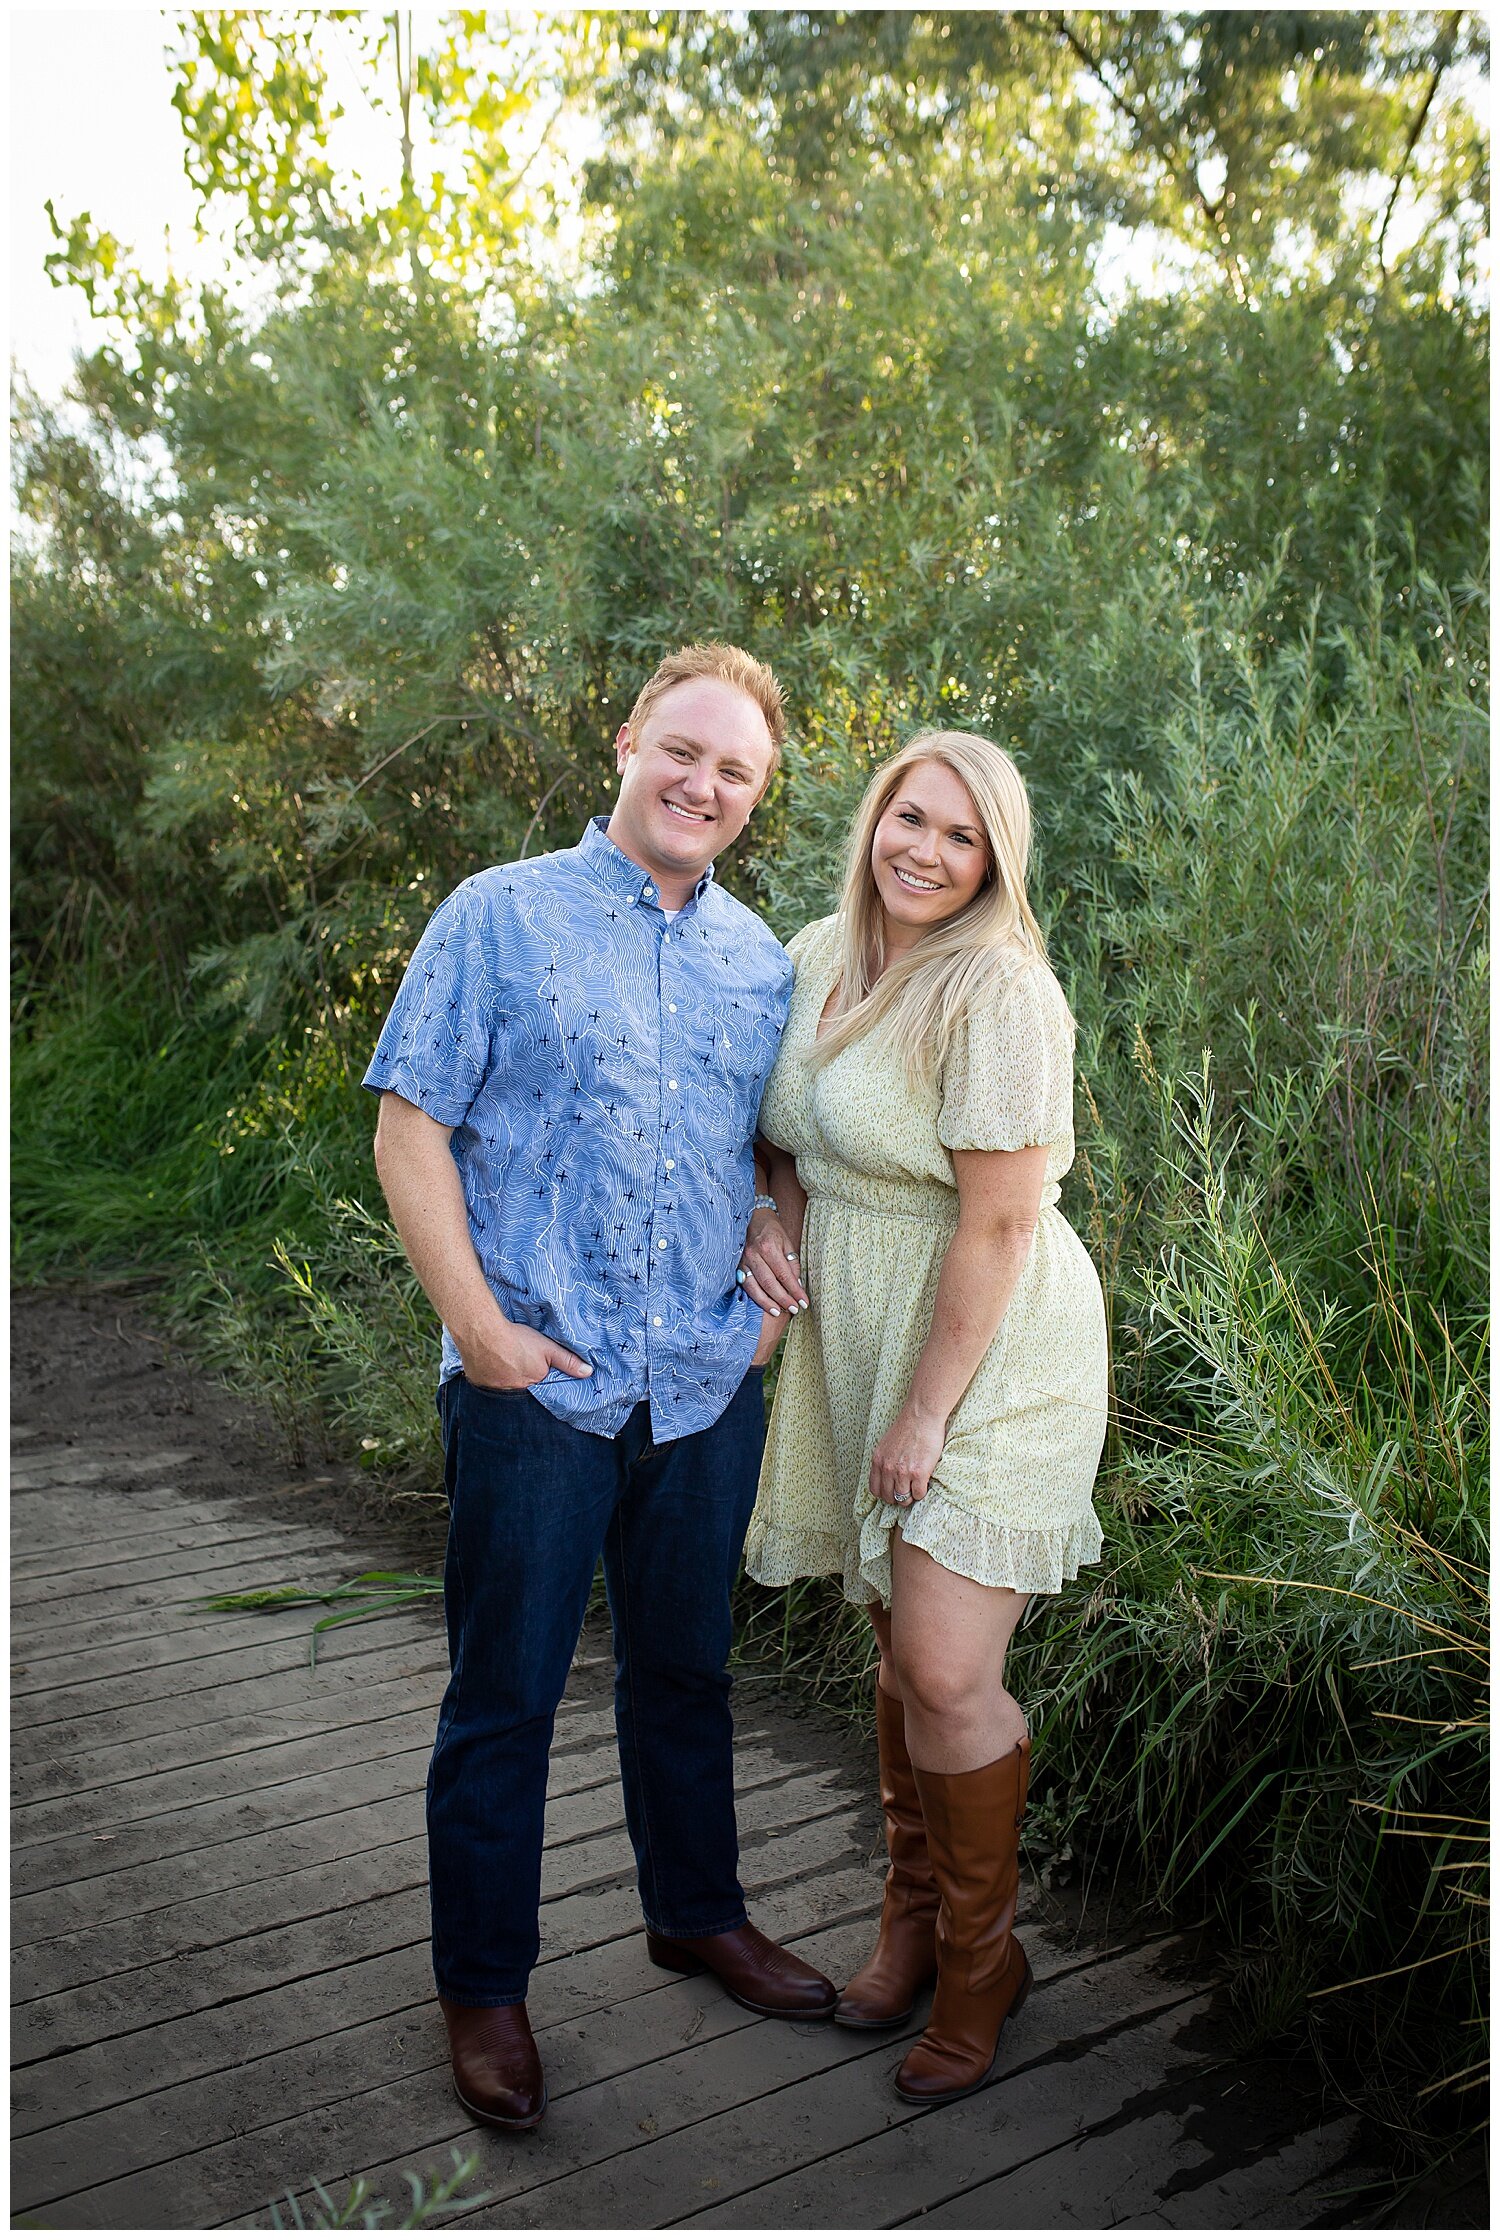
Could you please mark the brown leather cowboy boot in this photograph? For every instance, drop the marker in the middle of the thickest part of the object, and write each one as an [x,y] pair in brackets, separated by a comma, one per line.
[497,2070]
[905,1955]
[755,1972]
[973,1822]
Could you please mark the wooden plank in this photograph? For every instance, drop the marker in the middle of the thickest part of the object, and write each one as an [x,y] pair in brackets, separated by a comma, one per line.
[187,1502]
[840,2149]
[859,2156]
[222,1954]
[113,1910]
[58,1773]
[587,1845]
[89,1853]
[105,1816]
[265,1640]
[240,1708]
[642,2026]
[584,1902]
[34,1560]
[639,2023]
[53,1516]
[103,1900]
[281,1546]
[1089,2185]
[560,1994]
[121,1614]
[306,2011]
[148,1703]
[51,1525]
[214,1633]
[580,1757]
[148,1795]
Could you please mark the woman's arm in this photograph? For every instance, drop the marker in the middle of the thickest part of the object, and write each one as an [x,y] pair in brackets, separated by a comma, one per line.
[782,1184]
[999,1198]
[773,1242]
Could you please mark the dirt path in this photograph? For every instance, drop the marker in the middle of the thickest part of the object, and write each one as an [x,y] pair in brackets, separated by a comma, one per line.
[221,1983]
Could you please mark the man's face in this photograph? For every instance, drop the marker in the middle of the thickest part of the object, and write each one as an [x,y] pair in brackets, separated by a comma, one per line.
[689,777]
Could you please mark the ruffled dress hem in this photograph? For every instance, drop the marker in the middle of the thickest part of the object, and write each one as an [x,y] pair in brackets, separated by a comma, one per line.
[1027,1559]
[775,1558]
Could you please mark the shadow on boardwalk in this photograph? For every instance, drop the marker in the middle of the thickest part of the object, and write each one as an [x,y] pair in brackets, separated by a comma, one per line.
[221,1983]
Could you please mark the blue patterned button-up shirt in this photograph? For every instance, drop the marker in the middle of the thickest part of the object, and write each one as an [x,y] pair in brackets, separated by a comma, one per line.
[601,1068]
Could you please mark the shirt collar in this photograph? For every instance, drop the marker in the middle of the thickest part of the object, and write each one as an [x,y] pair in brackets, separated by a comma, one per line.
[614,870]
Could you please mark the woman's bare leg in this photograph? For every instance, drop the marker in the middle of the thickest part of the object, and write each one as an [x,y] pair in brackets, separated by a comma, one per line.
[944,1645]
[885,1671]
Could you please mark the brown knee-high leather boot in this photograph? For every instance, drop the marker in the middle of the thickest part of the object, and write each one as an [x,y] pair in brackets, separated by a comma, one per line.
[973,1821]
[905,1955]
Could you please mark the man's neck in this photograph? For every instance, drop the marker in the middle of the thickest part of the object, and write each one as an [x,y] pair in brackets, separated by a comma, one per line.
[676,887]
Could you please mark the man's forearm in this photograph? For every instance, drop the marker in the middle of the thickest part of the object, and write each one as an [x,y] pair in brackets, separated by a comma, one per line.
[425,1193]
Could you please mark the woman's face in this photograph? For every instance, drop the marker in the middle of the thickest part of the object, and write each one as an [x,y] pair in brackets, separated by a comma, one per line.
[928,856]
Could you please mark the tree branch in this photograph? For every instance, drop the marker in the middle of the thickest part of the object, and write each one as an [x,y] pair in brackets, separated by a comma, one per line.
[1418,122]
[1179,163]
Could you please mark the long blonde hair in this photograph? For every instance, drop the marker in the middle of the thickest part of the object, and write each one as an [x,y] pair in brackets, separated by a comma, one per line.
[961,963]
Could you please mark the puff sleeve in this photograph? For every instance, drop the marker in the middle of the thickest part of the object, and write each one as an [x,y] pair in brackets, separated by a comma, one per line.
[1008,1079]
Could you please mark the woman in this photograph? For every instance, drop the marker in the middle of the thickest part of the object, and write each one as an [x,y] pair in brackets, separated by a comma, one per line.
[941,1408]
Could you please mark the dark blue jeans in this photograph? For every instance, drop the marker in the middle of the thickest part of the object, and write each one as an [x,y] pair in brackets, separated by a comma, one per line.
[532,1505]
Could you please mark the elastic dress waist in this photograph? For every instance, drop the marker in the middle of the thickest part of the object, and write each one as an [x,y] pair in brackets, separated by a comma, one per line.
[935,1203]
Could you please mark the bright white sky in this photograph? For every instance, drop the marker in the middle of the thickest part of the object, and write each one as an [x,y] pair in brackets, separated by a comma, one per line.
[92,127]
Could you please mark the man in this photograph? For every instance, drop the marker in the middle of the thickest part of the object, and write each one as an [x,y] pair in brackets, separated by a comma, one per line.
[570,1080]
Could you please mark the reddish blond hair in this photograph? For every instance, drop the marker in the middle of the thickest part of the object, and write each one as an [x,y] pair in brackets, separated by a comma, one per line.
[732,666]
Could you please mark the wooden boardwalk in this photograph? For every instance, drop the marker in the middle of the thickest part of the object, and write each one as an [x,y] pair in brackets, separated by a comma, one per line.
[221,1985]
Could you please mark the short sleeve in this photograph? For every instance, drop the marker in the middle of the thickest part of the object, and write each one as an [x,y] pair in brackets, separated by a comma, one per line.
[435,1047]
[1008,1079]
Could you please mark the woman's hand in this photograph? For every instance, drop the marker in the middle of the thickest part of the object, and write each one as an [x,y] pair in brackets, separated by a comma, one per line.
[773,1271]
[902,1465]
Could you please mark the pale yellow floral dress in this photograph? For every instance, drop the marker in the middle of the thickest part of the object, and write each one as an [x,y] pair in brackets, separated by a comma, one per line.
[1009,1502]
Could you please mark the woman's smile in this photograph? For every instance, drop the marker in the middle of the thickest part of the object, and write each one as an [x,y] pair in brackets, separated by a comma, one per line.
[928,855]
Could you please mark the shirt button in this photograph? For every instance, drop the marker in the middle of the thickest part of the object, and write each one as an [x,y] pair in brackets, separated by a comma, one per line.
[649,893]
[671,1163]
[661,1244]
[671,1007]
[656,1322]
[671,1084]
